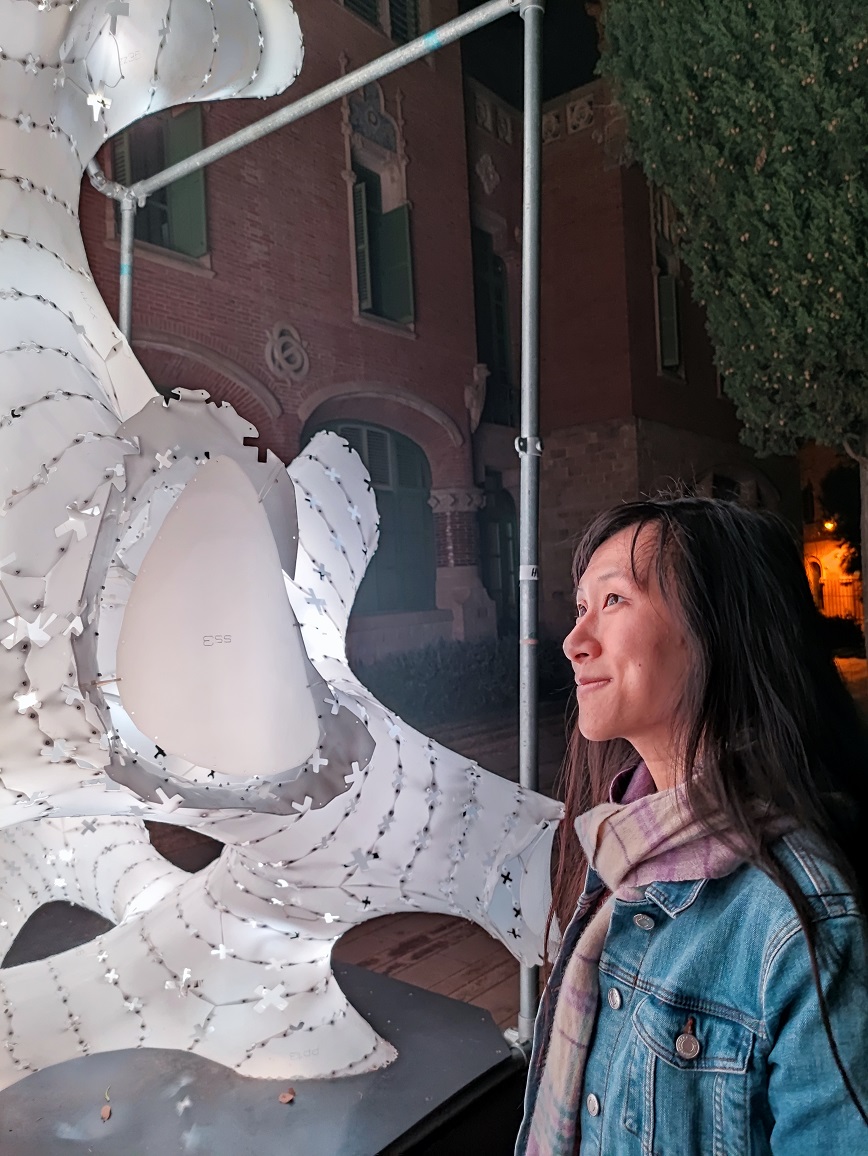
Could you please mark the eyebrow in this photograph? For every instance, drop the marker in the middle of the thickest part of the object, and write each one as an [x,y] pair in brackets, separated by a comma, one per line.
[607,576]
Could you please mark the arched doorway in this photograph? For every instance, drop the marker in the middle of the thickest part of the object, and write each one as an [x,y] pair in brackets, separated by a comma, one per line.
[402,575]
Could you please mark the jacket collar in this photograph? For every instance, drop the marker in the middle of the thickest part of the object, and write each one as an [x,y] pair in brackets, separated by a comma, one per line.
[673,898]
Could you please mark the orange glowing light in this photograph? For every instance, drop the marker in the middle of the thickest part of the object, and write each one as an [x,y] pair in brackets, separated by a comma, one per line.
[830,524]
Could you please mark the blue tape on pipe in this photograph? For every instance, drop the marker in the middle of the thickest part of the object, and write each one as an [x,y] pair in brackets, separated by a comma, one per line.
[433,39]
[126,270]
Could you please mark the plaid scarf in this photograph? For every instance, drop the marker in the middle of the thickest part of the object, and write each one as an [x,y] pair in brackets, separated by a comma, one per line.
[653,839]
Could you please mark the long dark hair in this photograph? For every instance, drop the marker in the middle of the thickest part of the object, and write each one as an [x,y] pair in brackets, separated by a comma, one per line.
[764,710]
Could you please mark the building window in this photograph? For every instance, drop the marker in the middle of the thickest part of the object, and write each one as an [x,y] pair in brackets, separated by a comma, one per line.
[403,16]
[401,576]
[492,330]
[173,218]
[384,262]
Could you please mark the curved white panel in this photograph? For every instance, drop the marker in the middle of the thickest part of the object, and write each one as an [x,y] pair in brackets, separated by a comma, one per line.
[207,615]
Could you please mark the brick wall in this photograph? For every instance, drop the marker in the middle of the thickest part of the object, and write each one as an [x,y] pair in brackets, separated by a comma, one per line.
[585,469]
[457,538]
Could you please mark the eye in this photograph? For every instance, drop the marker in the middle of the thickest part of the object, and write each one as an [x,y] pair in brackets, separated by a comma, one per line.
[581,611]
[609,598]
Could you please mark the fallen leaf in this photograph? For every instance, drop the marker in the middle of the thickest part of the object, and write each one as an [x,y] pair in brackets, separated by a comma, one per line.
[287,1097]
[105,1113]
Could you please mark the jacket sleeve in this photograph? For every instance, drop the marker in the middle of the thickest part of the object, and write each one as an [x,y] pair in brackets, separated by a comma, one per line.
[809,1101]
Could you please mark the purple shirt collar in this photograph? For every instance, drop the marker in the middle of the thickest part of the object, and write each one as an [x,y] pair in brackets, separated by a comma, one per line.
[631,784]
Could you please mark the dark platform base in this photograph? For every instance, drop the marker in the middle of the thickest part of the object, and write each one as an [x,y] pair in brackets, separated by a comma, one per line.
[456,1088]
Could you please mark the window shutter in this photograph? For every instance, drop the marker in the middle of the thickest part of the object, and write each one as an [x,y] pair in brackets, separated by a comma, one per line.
[363,246]
[395,265]
[377,457]
[186,198]
[121,166]
[667,306]
[404,19]
[368,9]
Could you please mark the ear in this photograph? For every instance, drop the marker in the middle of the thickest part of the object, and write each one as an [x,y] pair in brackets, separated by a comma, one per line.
[146,60]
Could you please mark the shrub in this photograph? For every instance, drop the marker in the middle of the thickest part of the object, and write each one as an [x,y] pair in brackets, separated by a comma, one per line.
[452,682]
[844,637]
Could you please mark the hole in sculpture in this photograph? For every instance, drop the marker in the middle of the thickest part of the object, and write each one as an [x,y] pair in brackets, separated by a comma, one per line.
[54,927]
[184,847]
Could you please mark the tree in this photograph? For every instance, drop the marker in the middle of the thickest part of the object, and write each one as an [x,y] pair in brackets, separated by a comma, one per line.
[752,115]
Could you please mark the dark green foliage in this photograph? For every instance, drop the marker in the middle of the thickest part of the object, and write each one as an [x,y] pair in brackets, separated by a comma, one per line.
[753,116]
[844,637]
[454,681]
[839,497]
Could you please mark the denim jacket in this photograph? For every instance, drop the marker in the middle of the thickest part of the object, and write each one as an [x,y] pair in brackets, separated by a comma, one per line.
[723,960]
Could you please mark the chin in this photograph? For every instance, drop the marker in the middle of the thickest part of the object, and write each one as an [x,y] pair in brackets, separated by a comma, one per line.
[596,730]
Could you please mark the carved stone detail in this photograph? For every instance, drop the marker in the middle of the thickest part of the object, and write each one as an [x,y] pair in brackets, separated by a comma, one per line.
[580,114]
[474,394]
[456,500]
[286,353]
[369,119]
[504,126]
[487,173]
[551,126]
[484,113]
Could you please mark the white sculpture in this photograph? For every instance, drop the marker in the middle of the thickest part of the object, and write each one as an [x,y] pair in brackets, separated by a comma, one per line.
[170,648]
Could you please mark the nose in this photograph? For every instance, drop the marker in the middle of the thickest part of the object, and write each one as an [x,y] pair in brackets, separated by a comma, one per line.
[581,642]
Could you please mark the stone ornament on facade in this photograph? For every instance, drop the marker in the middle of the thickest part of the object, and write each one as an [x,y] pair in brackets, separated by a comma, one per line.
[474,394]
[145,550]
[487,173]
[504,126]
[286,354]
[456,500]
[369,119]
[551,126]
[580,114]
[484,113]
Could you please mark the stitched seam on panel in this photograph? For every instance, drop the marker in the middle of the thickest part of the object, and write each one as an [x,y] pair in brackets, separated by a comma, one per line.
[626,1022]
[650,1124]
[717,1122]
[778,948]
[677,1000]
[634,1062]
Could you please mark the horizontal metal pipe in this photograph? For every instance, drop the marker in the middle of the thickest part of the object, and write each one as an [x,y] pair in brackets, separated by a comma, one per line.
[399,57]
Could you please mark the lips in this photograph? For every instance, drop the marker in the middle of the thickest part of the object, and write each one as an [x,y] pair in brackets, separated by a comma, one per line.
[583,685]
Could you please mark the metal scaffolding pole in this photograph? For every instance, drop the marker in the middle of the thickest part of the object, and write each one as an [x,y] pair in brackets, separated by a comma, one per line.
[529,447]
[125,303]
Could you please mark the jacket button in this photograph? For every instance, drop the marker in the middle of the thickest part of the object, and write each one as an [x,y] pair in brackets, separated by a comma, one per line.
[687,1047]
[614,998]
[593,1105]
[643,921]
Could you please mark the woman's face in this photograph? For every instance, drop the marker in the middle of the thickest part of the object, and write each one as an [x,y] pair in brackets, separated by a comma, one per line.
[628,653]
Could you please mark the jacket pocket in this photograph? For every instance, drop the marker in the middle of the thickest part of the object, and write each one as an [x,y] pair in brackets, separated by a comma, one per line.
[688,1082]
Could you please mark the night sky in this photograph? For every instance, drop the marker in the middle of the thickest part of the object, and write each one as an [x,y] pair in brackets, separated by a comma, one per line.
[493,55]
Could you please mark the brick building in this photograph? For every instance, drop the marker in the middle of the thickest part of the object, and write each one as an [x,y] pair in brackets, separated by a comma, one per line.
[360,271]
[630,399]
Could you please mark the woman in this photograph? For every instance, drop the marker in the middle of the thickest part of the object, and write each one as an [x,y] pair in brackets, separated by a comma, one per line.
[710,997]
